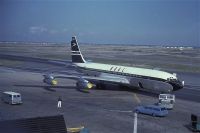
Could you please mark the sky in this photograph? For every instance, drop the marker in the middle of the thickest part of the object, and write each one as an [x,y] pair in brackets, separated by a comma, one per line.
[139,22]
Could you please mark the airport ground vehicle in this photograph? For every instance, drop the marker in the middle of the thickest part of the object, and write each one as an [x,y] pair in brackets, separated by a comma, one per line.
[166,100]
[11,97]
[152,110]
[81,129]
[195,123]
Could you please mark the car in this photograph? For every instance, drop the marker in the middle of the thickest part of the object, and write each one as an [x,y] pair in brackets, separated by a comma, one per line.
[152,110]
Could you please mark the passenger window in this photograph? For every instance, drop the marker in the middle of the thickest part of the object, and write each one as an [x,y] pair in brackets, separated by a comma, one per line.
[115,68]
[163,97]
[10,96]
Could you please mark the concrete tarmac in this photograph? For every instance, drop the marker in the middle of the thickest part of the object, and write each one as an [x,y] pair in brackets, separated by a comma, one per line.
[102,111]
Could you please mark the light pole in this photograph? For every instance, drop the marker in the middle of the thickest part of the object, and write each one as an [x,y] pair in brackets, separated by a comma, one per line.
[135,123]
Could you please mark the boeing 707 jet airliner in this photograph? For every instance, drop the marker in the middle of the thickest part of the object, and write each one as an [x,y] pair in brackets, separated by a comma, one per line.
[100,74]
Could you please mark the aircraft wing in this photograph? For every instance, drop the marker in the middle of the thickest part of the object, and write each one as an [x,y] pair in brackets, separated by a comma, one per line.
[105,79]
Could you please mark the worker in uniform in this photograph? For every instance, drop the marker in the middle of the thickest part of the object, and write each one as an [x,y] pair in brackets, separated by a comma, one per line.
[59,102]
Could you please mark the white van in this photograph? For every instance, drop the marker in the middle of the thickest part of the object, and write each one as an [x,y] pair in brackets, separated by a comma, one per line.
[11,97]
[166,100]
[167,97]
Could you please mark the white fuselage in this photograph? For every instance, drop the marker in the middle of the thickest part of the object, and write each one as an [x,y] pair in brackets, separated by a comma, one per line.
[137,77]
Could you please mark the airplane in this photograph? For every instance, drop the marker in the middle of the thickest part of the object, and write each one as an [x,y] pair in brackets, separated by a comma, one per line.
[100,74]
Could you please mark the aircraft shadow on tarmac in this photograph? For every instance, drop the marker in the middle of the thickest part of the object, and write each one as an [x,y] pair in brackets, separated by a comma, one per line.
[107,88]
[48,88]
[128,89]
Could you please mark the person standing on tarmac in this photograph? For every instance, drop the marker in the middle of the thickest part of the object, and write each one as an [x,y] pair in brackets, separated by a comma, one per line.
[59,102]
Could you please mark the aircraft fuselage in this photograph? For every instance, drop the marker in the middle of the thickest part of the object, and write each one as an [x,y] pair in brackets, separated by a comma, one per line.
[148,79]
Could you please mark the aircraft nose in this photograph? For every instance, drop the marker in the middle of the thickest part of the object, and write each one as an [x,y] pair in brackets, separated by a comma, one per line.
[178,85]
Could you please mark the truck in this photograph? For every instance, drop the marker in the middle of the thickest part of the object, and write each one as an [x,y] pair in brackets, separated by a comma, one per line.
[166,100]
[11,97]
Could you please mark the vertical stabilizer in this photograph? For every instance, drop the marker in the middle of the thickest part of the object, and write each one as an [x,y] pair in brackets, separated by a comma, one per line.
[75,52]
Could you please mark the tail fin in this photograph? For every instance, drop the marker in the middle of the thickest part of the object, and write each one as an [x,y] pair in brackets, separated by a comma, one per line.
[75,52]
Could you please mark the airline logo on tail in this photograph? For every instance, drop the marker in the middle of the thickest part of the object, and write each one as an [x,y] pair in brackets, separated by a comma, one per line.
[75,52]
[74,44]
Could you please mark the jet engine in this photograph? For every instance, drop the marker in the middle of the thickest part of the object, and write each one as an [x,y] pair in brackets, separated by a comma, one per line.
[83,85]
[49,79]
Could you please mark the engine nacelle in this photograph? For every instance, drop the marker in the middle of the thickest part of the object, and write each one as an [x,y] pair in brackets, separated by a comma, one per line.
[49,79]
[83,84]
